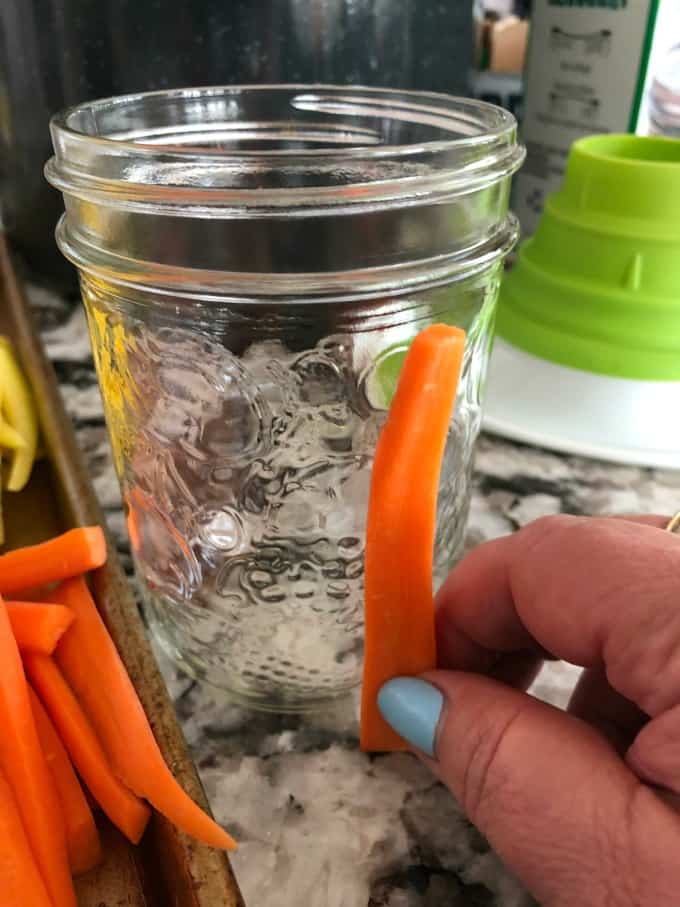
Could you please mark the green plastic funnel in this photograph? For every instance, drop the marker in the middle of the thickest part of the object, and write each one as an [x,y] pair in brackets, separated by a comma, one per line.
[597,287]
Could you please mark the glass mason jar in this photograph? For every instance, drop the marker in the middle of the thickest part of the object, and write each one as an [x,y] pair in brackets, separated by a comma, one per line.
[254,262]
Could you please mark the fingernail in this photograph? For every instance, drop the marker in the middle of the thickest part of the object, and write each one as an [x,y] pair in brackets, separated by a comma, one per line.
[412,707]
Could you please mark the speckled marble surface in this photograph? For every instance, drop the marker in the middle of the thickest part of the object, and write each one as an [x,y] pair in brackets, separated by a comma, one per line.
[320,823]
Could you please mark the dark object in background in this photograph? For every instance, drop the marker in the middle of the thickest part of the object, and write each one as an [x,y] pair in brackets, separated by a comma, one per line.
[55,53]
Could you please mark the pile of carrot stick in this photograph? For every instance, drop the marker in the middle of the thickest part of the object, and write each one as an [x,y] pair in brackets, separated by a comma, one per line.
[74,737]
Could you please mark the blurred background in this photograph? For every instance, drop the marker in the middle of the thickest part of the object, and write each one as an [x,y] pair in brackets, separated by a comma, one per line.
[589,68]
[55,53]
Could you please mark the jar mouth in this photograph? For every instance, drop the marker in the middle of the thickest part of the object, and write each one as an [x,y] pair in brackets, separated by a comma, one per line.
[264,190]
[259,148]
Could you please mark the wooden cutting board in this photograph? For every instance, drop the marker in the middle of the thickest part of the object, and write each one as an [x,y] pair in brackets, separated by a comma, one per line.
[167,869]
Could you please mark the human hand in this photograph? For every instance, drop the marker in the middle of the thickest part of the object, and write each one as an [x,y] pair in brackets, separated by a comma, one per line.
[579,804]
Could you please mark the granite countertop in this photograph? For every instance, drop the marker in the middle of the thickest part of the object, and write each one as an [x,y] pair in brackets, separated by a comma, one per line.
[320,823]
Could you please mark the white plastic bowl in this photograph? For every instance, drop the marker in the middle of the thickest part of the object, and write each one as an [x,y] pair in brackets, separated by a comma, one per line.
[539,402]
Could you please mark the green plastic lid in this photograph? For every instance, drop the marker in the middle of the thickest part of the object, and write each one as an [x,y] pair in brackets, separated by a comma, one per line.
[598,285]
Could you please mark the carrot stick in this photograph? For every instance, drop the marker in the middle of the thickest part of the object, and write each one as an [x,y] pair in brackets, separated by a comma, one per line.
[39,595]
[93,667]
[38,627]
[23,764]
[126,811]
[399,610]
[72,553]
[82,837]
[20,879]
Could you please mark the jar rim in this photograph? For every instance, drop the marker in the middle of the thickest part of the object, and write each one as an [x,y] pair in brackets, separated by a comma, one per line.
[193,147]
[495,120]
[241,187]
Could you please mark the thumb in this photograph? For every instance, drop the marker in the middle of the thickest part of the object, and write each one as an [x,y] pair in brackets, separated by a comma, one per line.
[552,797]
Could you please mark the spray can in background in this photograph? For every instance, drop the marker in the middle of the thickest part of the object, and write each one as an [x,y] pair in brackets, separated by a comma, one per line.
[590,69]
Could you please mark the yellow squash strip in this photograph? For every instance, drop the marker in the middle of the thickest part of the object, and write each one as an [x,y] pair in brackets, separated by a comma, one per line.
[19,412]
[10,437]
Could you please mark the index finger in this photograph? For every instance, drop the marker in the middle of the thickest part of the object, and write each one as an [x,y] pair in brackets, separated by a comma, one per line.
[586,590]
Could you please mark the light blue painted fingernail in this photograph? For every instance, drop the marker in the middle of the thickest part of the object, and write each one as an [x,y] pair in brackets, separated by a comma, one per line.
[412,707]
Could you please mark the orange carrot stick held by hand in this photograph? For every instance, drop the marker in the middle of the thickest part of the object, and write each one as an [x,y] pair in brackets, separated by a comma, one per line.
[399,608]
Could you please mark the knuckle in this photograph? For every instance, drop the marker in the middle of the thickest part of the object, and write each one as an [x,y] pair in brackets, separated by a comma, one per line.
[547,535]
[641,648]
[486,781]
[641,870]
[655,752]
[610,863]
[644,665]
[546,528]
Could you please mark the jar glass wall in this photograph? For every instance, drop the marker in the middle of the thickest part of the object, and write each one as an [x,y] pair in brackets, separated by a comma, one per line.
[254,264]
